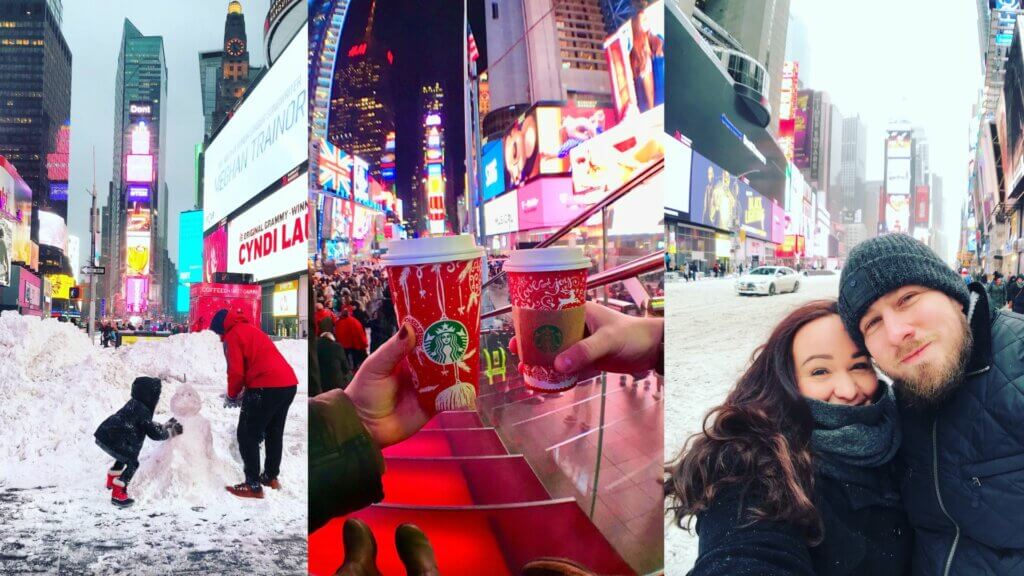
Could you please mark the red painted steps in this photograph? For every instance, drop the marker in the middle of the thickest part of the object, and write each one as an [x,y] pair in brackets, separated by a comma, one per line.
[475,540]
[452,442]
[454,419]
[466,481]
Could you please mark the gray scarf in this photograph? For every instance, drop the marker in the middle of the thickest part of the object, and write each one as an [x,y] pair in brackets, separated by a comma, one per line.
[852,444]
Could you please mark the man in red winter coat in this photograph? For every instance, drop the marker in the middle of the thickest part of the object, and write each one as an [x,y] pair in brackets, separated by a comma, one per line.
[321,313]
[350,333]
[264,384]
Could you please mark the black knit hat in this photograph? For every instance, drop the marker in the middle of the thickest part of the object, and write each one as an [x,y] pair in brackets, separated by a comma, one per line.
[880,265]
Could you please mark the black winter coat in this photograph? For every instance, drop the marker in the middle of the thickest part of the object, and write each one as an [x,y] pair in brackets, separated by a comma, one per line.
[869,541]
[122,434]
[964,461]
[335,368]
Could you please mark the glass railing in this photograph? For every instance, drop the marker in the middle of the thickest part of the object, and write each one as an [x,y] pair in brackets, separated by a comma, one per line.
[600,442]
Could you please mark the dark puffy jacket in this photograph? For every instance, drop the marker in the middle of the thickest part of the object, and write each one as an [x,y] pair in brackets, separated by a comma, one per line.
[963,462]
[253,359]
[996,296]
[860,540]
[122,434]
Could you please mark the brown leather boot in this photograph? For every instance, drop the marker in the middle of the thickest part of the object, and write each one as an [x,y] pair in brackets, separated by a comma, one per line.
[415,551]
[554,567]
[360,550]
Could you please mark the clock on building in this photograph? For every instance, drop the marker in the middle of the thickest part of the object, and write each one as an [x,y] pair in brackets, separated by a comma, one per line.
[235,47]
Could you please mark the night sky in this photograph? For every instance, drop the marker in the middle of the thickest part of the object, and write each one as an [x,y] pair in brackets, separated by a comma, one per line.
[425,37]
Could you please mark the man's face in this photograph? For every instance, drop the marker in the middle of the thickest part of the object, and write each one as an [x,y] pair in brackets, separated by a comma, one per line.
[920,337]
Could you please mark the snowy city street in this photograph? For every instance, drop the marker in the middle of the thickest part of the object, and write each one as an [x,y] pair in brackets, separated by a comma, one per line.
[56,388]
[713,332]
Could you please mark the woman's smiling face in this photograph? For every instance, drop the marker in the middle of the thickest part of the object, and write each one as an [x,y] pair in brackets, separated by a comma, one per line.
[829,367]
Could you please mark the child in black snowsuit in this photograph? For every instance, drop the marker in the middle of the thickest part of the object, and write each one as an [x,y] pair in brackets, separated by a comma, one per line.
[122,434]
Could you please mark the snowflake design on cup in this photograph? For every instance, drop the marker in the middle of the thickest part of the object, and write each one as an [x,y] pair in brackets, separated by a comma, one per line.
[445,342]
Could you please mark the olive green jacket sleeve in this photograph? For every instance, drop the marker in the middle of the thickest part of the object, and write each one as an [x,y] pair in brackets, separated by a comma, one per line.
[345,466]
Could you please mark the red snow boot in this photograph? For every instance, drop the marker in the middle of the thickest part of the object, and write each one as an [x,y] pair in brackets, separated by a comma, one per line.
[111,474]
[244,490]
[270,482]
[120,496]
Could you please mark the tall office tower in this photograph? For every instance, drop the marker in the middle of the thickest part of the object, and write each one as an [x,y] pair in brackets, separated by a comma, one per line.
[210,63]
[433,169]
[812,151]
[760,27]
[853,168]
[562,57]
[35,87]
[234,72]
[137,225]
[362,107]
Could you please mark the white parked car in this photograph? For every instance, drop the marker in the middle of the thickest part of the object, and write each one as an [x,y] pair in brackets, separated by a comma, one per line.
[770,280]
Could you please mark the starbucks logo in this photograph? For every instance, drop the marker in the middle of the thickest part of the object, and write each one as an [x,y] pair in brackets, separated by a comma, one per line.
[547,338]
[445,341]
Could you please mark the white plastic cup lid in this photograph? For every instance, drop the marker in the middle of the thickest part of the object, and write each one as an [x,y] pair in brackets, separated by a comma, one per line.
[431,250]
[546,260]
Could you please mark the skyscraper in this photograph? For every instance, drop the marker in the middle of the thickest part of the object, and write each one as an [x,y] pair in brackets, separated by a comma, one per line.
[853,168]
[562,57]
[209,73]
[135,234]
[35,85]
[434,170]
[234,72]
[362,109]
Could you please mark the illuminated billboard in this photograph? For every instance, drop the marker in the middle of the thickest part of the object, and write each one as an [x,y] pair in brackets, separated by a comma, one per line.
[7,228]
[140,139]
[139,219]
[678,157]
[897,176]
[492,170]
[501,215]
[787,107]
[136,294]
[215,253]
[541,141]
[138,168]
[636,61]
[60,286]
[361,180]
[335,169]
[922,210]
[266,137]
[53,231]
[59,191]
[606,162]
[897,213]
[138,254]
[286,299]
[190,255]
[138,193]
[269,239]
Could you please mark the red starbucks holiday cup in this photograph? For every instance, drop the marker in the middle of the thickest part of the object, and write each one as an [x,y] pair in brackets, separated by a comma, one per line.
[435,285]
[548,287]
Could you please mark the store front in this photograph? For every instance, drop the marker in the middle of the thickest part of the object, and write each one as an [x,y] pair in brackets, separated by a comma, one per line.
[285,306]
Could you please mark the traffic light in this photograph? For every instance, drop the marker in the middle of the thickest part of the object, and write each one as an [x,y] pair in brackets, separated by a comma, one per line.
[75,293]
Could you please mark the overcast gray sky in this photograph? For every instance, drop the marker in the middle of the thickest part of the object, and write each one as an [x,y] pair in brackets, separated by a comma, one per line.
[93,31]
[912,59]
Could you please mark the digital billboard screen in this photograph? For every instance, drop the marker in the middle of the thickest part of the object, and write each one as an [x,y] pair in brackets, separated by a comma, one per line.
[138,168]
[541,141]
[58,191]
[361,180]
[636,61]
[136,294]
[138,254]
[269,239]
[60,286]
[53,231]
[897,176]
[335,169]
[190,255]
[492,170]
[139,219]
[140,139]
[215,253]
[897,213]
[7,228]
[678,157]
[609,160]
[138,193]
[286,299]
[501,215]
[266,138]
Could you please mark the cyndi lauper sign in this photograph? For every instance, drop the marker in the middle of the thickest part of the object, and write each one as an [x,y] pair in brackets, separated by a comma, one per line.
[269,239]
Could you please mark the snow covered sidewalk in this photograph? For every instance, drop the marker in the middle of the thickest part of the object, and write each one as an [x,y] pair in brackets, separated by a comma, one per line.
[55,389]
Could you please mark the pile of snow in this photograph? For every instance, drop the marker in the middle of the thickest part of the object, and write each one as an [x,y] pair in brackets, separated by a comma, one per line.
[56,387]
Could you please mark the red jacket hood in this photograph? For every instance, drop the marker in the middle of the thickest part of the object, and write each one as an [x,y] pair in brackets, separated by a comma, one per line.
[233,319]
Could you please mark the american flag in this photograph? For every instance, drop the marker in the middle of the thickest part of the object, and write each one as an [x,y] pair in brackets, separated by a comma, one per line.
[335,168]
[474,54]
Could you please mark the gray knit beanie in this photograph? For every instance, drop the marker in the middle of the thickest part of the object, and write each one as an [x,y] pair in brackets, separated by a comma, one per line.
[880,265]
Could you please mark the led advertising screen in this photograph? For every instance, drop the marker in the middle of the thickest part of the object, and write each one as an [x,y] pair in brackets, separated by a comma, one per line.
[335,169]
[215,253]
[921,207]
[136,294]
[286,299]
[492,170]
[897,148]
[138,254]
[778,231]
[138,193]
[802,127]
[897,176]
[606,162]
[541,140]
[714,195]
[361,180]
[140,139]
[265,138]
[678,157]
[60,286]
[139,219]
[190,255]
[756,213]
[897,213]
[59,191]
[52,230]
[7,189]
[269,239]
[7,228]
[138,168]
[636,61]
[501,215]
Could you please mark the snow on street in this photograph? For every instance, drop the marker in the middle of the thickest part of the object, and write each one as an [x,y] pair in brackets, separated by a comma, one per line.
[712,333]
[56,388]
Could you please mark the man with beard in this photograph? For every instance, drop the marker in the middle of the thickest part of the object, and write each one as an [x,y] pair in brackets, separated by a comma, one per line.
[959,378]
